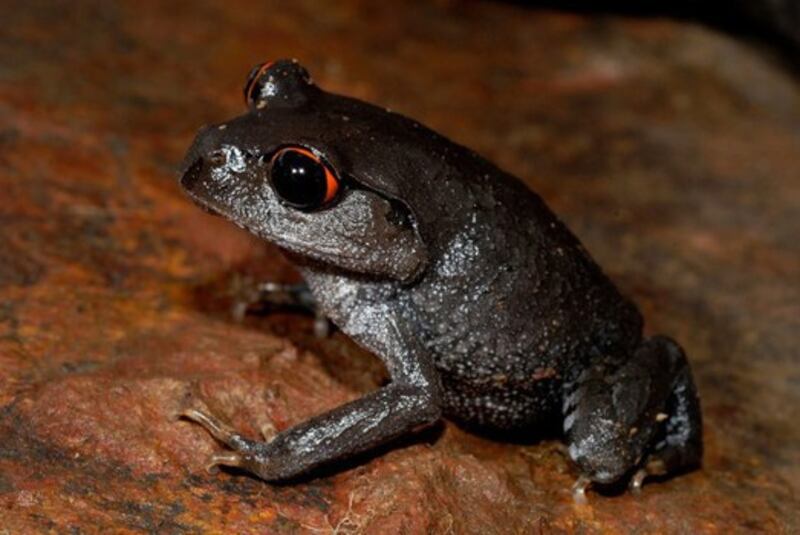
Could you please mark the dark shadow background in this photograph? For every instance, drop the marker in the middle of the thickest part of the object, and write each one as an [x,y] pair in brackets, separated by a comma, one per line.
[775,23]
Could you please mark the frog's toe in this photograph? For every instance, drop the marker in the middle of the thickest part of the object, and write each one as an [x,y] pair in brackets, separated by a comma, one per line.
[655,466]
[268,431]
[218,429]
[322,326]
[244,293]
[225,458]
[637,480]
[579,489]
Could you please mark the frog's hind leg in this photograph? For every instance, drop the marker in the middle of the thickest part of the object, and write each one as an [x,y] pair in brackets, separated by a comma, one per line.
[638,419]
[265,297]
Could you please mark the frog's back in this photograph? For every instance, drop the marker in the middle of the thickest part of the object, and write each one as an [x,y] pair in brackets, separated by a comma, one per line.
[513,306]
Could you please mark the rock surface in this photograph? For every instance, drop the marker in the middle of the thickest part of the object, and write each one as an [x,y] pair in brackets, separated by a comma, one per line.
[672,151]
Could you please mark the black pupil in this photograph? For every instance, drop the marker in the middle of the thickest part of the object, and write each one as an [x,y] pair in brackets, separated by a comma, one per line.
[299,179]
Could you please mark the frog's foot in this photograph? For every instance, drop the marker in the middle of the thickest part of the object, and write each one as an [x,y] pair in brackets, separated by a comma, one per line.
[265,297]
[254,297]
[241,448]
[680,448]
[637,420]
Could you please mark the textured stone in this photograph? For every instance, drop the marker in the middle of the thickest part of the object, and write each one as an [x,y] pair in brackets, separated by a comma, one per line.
[670,149]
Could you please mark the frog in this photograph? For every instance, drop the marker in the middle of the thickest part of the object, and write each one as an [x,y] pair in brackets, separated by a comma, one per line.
[483,306]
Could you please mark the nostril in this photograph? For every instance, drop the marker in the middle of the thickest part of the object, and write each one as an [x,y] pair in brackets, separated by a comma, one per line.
[192,175]
[217,157]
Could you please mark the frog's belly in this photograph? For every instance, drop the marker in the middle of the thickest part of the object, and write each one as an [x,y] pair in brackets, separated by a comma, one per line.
[495,403]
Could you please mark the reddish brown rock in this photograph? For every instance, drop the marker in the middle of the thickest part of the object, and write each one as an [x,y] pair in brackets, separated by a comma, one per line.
[671,150]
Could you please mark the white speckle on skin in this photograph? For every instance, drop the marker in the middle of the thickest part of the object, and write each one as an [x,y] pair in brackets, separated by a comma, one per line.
[603,475]
[234,164]
[569,421]
[456,259]
[574,452]
[269,89]
[373,422]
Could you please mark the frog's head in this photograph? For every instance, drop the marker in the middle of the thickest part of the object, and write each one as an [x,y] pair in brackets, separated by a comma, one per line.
[323,176]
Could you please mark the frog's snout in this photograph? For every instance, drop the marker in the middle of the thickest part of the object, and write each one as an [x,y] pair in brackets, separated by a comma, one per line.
[191,176]
[192,183]
[207,151]
[200,146]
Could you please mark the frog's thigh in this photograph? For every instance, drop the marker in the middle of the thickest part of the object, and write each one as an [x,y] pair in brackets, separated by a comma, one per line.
[645,413]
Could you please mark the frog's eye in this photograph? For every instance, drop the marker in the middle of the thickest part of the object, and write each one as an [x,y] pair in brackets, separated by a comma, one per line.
[301,179]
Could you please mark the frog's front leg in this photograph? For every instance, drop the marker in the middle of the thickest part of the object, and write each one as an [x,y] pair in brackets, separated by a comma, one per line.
[411,400]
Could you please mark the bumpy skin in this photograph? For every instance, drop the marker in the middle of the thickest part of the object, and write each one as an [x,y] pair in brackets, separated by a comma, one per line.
[481,303]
